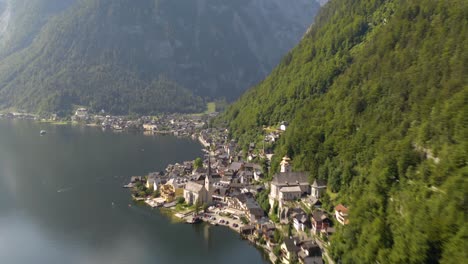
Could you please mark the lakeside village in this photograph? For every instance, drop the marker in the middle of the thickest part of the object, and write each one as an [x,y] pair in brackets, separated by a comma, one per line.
[281,214]
[184,125]
[229,187]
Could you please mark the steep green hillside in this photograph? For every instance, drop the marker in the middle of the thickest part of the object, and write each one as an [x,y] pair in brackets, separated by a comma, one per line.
[108,53]
[376,96]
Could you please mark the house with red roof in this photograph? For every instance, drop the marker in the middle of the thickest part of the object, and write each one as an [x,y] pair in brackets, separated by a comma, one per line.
[341,214]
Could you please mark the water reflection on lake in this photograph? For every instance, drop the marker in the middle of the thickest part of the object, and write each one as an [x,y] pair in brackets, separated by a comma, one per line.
[61,200]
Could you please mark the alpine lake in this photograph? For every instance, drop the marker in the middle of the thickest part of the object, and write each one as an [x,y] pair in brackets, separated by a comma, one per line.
[62,201]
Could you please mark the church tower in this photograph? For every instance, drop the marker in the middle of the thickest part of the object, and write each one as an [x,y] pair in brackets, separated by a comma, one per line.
[286,164]
[209,182]
[208,176]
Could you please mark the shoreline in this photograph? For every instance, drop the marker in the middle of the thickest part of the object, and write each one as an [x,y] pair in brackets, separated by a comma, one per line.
[196,137]
[177,124]
[174,216]
[185,216]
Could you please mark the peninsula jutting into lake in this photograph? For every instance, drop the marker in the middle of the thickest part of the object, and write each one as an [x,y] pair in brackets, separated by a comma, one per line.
[227,187]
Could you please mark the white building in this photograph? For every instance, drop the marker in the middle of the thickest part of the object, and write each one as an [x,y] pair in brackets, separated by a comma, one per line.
[247,204]
[201,193]
[150,127]
[288,186]
[285,164]
[81,113]
[290,193]
[195,192]
[341,214]
[318,188]
[283,126]
[154,180]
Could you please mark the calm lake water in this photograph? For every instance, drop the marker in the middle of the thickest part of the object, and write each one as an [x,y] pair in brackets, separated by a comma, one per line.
[62,201]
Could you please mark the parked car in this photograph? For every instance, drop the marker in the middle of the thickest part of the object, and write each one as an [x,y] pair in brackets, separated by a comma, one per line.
[221,221]
[235,225]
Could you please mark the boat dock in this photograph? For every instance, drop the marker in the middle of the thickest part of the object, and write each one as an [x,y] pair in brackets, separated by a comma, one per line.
[170,205]
[156,202]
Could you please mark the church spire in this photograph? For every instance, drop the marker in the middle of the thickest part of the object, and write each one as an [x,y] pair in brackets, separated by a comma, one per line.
[209,165]
[286,164]
[208,176]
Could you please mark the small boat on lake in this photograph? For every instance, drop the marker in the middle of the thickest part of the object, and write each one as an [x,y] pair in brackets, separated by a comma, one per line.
[43,132]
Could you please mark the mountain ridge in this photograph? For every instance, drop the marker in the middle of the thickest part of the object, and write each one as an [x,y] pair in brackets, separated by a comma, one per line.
[211,48]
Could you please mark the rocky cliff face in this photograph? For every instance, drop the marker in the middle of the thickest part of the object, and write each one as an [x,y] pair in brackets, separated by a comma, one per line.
[5,15]
[21,20]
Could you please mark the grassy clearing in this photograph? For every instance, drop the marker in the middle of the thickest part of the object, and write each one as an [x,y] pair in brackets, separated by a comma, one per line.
[210,108]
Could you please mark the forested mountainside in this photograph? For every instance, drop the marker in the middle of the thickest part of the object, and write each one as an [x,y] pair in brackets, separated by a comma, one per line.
[376,99]
[121,55]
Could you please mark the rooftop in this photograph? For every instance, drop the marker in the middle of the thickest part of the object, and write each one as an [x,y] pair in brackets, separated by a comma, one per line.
[285,178]
[235,166]
[193,187]
[290,189]
[341,208]
[319,183]
[290,246]
[319,216]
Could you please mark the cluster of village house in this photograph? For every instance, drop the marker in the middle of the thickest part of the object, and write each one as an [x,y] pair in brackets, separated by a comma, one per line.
[185,125]
[16,115]
[176,124]
[227,179]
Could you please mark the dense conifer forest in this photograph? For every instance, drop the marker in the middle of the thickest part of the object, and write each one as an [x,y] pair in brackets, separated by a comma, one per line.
[376,97]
